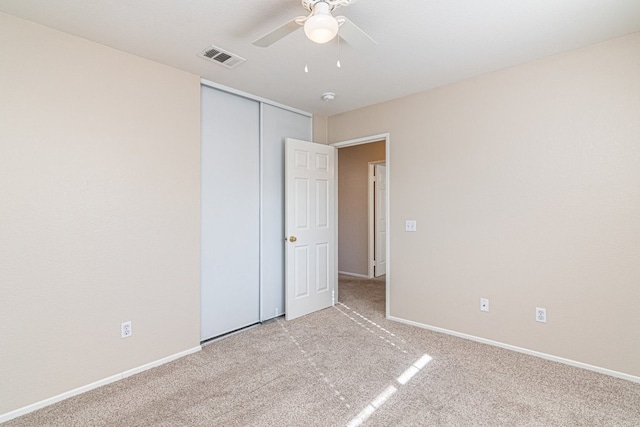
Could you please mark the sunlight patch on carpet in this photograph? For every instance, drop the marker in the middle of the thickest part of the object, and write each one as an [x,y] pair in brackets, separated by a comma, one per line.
[414,369]
[373,406]
[403,379]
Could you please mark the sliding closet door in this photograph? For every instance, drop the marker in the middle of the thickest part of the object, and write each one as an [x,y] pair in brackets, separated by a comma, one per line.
[230,213]
[277,124]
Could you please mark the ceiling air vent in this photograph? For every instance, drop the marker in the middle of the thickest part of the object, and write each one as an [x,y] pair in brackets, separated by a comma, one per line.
[221,56]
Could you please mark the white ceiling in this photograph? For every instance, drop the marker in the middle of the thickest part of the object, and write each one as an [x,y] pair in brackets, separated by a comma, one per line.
[421,43]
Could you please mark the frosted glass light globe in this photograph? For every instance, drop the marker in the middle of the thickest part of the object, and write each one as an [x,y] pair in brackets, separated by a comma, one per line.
[322,26]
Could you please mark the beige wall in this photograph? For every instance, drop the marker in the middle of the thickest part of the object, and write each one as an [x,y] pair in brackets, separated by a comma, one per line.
[320,129]
[525,185]
[353,205]
[99,219]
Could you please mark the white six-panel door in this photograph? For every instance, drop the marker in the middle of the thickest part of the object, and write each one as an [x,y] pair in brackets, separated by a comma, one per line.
[310,226]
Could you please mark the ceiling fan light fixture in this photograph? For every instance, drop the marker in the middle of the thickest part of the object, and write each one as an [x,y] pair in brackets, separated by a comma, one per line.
[322,26]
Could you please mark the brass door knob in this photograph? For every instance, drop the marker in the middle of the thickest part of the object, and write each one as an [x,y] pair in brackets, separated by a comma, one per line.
[292,239]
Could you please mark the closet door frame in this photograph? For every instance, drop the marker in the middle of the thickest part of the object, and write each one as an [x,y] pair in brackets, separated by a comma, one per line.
[269,285]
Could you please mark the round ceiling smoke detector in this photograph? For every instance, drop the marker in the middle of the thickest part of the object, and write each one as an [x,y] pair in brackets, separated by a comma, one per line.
[328,96]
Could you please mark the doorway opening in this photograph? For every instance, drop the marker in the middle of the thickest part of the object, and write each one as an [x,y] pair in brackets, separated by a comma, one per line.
[356,236]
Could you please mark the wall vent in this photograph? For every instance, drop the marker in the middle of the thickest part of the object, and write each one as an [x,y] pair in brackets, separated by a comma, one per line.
[221,57]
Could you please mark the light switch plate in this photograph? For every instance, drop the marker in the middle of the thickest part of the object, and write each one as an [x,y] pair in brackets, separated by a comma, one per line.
[410,225]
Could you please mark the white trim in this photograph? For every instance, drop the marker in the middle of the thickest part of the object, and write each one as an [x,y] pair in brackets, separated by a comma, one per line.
[253,97]
[387,147]
[370,219]
[50,401]
[260,213]
[336,218]
[363,140]
[346,273]
[541,355]
[371,248]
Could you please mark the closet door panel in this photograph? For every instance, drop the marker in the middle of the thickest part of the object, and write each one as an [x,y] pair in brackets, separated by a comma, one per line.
[277,124]
[230,213]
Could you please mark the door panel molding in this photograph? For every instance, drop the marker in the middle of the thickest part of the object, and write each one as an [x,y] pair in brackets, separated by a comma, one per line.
[310,223]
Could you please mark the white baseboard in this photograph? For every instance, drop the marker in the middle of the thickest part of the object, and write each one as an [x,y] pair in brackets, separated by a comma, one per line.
[50,401]
[551,357]
[346,273]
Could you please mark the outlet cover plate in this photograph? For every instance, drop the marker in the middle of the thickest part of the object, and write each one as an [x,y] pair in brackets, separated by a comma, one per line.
[484,304]
[125,329]
[541,315]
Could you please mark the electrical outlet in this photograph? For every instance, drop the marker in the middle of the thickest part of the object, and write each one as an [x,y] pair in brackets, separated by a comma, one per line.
[484,304]
[541,315]
[125,329]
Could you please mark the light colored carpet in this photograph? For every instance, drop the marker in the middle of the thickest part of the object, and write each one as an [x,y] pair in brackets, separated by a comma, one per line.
[345,366]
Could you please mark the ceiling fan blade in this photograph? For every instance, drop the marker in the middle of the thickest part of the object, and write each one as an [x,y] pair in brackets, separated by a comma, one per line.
[339,3]
[353,35]
[278,33]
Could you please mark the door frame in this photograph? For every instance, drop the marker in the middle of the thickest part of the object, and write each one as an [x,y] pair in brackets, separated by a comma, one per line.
[371,247]
[386,137]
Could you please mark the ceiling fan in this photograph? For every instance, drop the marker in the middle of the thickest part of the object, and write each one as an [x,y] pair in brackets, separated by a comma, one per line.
[320,25]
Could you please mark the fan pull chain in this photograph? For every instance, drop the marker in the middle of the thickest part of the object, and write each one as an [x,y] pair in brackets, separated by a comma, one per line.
[306,55]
